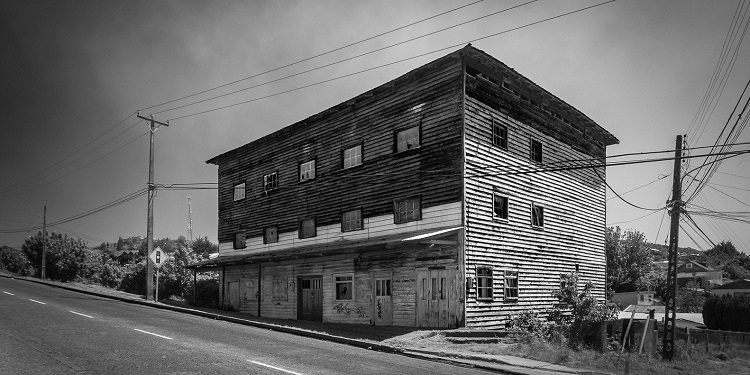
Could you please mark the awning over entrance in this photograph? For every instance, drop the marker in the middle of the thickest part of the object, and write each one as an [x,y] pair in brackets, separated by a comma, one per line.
[444,236]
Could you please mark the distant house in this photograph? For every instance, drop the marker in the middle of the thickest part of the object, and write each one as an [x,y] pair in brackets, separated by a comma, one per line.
[705,277]
[734,288]
[625,299]
[126,256]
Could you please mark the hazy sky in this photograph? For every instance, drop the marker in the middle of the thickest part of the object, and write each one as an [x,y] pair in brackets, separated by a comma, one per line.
[73,71]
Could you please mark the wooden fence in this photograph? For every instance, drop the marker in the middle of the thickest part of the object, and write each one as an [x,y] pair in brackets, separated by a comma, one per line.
[715,338]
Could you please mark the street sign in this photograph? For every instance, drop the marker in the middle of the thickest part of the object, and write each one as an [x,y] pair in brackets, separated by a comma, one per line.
[158,257]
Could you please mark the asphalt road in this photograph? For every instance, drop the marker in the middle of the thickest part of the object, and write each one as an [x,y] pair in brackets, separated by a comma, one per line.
[46,330]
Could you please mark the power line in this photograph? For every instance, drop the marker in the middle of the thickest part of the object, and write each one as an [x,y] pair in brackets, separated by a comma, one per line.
[388,64]
[312,57]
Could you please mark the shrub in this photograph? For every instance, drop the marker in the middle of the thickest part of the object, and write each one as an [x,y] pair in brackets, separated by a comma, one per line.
[14,261]
[727,313]
[207,293]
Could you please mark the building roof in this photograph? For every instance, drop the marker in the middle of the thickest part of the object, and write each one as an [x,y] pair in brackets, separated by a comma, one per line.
[476,55]
[737,284]
[695,267]
[340,247]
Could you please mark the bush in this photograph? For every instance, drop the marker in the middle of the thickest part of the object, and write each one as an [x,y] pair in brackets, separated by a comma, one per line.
[207,293]
[14,261]
[727,313]
[134,279]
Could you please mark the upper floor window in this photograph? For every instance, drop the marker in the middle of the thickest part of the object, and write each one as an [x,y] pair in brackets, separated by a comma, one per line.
[536,151]
[271,235]
[406,210]
[537,215]
[351,220]
[511,285]
[352,156]
[500,206]
[407,139]
[307,228]
[271,181]
[239,240]
[239,191]
[499,135]
[307,171]
[484,283]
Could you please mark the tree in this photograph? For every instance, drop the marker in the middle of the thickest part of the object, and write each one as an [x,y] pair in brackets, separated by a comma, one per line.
[690,298]
[629,259]
[14,261]
[67,258]
[204,247]
[719,255]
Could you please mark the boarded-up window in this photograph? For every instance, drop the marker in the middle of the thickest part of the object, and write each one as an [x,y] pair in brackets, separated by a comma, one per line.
[279,288]
[351,220]
[307,228]
[406,210]
[344,287]
[239,240]
[499,135]
[250,290]
[484,284]
[511,285]
[239,191]
[352,156]
[271,235]
[407,139]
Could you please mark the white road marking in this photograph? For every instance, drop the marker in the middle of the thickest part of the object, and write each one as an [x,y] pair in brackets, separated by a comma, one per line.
[33,300]
[8,293]
[275,368]
[77,313]
[150,333]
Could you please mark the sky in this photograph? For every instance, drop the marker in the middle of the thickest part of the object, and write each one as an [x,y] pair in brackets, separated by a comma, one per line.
[74,73]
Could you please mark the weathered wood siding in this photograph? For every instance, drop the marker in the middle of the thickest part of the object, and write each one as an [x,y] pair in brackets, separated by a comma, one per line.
[573,201]
[429,97]
[399,265]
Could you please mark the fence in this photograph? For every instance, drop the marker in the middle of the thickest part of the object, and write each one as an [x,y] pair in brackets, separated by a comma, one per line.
[715,338]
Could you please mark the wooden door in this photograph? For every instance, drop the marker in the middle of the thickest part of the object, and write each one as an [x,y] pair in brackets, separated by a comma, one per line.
[310,299]
[233,302]
[383,302]
[435,300]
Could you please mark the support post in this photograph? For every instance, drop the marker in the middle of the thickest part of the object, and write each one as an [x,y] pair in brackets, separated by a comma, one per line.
[153,125]
[157,286]
[674,230]
[44,245]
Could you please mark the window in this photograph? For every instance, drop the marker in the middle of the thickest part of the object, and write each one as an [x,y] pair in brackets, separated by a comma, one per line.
[511,285]
[271,181]
[279,289]
[351,220]
[484,283]
[352,156]
[407,210]
[536,151]
[271,235]
[537,215]
[689,265]
[307,171]
[382,287]
[499,135]
[239,240]
[506,84]
[344,287]
[500,206]
[239,191]
[307,228]
[407,139]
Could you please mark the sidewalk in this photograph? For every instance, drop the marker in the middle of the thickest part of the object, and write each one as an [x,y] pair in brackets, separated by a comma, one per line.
[363,336]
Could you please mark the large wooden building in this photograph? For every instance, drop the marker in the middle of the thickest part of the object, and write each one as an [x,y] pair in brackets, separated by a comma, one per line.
[455,195]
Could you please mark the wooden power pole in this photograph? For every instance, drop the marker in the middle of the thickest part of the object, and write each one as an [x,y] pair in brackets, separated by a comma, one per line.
[44,244]
[153,124]
[674,230]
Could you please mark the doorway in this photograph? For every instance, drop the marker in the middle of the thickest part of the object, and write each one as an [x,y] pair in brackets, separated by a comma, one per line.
[383,314]
[310,298]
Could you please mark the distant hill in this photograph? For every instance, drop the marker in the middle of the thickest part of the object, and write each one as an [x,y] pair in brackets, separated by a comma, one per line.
[683,253]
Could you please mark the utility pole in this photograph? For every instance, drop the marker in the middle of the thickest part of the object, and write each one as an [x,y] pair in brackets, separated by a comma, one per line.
[674,230]
[44,244]
[190,221]
[153,125]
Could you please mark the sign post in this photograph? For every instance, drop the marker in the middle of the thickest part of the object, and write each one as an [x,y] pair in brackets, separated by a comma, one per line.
[158,258]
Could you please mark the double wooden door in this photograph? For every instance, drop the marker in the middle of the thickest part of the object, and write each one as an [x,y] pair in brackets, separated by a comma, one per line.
[437,298]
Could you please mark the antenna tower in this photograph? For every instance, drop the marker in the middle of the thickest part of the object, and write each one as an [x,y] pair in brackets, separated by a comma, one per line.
[190,221]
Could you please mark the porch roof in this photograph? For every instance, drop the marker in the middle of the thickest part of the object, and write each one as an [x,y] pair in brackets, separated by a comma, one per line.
[343,246]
